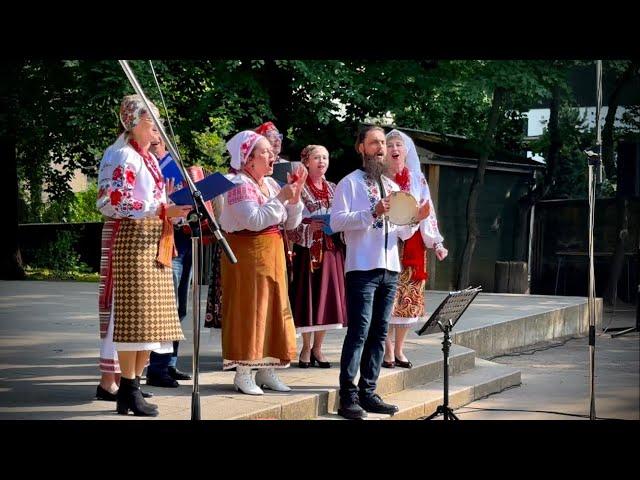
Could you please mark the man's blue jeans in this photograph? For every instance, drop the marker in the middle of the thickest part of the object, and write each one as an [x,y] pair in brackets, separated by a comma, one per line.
[160,362]
[370,296]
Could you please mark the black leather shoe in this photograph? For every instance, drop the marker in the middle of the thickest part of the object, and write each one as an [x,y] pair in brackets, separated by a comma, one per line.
[163,382]
[178,375]
[102,394]
[302,364]
[374,404]
[351,411]
[402,364]
[314,360]
[388,364]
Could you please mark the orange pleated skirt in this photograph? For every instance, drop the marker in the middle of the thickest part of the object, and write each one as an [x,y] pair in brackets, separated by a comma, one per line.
[257,324]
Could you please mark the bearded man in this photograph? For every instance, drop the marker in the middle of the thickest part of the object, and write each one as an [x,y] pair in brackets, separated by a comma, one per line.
[372,269]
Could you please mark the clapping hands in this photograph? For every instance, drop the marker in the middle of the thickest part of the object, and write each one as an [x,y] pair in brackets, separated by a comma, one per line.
[293,189]
[297,182]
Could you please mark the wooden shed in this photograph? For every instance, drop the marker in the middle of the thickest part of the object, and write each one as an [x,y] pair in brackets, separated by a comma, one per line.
[449,163]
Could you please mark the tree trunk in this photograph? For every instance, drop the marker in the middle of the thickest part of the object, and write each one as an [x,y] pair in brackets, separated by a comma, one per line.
[476,186]
[11,264]
[608,142]
[622,204]
[617,263]
[529,200]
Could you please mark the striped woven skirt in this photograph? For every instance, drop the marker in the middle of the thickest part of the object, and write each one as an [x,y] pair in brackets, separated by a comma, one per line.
[108,355]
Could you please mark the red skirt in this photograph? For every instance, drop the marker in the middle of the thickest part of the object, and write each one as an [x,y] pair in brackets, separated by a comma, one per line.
[318,298]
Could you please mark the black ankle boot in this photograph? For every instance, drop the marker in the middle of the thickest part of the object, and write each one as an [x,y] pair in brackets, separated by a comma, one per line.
[130,398]
[144,394]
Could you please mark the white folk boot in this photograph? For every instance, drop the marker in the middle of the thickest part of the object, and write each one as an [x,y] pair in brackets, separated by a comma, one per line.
[267,378]
[243,381]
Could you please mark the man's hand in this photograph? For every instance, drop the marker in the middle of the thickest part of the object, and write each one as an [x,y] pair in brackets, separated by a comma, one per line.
[383,206]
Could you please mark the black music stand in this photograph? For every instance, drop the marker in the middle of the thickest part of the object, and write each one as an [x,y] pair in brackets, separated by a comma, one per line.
[445,318]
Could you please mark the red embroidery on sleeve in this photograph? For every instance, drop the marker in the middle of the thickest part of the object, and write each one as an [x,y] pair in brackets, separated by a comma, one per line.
[131,177]
[243,193]
[117,173]
[115,197]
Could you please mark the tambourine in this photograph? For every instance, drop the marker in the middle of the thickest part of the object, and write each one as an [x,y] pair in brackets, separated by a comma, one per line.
[403,208]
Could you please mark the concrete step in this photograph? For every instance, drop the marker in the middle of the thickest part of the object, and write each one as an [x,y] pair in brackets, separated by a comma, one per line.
[422,400]
[496,331]
[316,392]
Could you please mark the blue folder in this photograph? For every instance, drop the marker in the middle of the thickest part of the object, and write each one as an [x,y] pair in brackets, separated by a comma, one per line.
[210,187]
[325,218]
[170,169]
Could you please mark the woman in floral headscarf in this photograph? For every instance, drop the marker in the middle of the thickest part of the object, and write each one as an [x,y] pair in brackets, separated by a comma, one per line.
[138,311]
[257,326]
[269,131]
[317,291]
[403,166]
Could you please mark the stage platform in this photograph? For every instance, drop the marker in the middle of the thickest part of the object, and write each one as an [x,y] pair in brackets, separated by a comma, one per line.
[49,349]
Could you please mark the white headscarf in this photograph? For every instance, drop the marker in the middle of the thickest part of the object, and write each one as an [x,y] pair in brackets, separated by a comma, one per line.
[241,146]
[412,161]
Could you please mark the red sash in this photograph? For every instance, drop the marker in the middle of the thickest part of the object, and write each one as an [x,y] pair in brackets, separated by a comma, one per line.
[413,256]
[273,229]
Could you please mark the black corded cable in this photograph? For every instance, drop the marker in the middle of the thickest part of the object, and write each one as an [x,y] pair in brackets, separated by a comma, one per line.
[457,411]
[535,350]
[531,411]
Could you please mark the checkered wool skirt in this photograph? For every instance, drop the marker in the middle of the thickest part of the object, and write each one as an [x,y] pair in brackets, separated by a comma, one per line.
[143,294]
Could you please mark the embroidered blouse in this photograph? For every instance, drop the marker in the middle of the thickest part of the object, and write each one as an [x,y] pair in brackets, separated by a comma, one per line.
[371,241]
[245,207]
[419,188]
[312,207]
[129,186]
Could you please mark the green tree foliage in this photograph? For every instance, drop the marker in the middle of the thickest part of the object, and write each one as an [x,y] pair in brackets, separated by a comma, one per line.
[60,255]
[69,111]
[570,180]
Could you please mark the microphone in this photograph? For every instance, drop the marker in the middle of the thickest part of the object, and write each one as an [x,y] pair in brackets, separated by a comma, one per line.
[594,159]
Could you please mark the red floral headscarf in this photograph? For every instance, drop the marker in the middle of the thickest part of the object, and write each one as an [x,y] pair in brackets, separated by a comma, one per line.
[265,127]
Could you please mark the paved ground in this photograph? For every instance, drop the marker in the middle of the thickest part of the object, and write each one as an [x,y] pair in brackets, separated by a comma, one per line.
[49,345]
[557,379]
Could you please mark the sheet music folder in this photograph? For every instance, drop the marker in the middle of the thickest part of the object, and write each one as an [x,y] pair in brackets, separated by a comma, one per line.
[280,171]
[210,187]
[170,169]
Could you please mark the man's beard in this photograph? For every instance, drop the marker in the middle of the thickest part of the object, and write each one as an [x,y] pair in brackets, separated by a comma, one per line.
[373,167]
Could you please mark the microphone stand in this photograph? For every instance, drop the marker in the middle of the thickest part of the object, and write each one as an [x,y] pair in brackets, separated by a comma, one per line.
[195,218]
[595,178]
